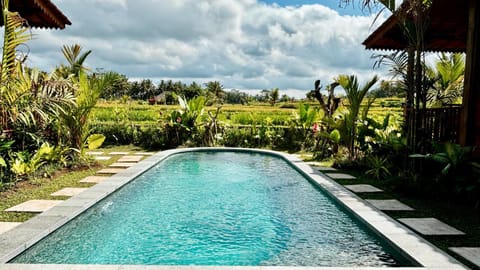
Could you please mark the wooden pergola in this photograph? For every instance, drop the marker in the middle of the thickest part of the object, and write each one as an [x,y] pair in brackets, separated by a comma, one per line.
[39,13]
[454,26]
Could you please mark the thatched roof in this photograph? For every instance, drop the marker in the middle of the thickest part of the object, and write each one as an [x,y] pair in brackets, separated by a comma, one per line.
[447,30]
[39,13]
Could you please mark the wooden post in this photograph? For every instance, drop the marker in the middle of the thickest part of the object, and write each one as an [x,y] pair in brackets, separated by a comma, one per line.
[470,120]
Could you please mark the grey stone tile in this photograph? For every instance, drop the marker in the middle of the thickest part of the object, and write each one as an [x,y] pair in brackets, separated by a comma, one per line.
[340,176]
[145,153]
[110,171]
[363,188]
[6,226]
[87,196]
[118,153]
[130,159]
[102,158]
[65,209]
[78,201]
[34,206]
[122,165]
[430,226]
[94,179]
[318,166]
[471,254]
[94,153]
[43,223]
[325,169]
[15,240]
[390,205]
[69,192]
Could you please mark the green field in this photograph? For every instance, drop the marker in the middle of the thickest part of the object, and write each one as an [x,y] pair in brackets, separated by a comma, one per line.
[281,114]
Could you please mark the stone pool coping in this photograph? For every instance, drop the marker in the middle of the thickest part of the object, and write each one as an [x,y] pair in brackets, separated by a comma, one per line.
[401,238]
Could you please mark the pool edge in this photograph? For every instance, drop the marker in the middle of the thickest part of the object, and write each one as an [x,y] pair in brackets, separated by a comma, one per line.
[406,242]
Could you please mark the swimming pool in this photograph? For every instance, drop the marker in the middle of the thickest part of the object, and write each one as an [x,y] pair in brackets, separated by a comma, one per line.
[280,224]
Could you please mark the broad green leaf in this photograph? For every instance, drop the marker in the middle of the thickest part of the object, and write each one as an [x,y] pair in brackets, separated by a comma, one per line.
[2,162]
[94,141]
[335,136]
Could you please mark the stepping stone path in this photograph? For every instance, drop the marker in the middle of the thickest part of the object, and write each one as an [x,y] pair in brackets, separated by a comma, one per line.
[340,176]
[95,153]
[363,188]
[34,206]
[110,171]
[130,159]
[390,205]
[69,192]
[6,226]
[93,179]
[471,254]
[430,226]
[325,169]
[118,153]
[102,158]
[122,165]
[144,154]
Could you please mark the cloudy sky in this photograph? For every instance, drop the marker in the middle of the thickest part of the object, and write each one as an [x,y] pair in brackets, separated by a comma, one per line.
[244,44]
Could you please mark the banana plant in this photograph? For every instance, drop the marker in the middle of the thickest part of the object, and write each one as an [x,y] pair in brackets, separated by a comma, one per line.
[75,122]
[305,119]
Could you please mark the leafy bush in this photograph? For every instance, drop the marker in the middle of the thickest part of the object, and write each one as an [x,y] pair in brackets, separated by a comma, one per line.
[455,171]
[289,106]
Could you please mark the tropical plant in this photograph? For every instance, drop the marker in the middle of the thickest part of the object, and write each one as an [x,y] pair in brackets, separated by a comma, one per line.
[304,120]
[458,169]
[29,100]
[75,122]
[447,80]
[347,124]
[183,122]
[377,167]
[15,34]
[75,59]
[39,100]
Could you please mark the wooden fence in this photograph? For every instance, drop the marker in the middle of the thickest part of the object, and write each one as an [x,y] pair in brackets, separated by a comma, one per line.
[432,125]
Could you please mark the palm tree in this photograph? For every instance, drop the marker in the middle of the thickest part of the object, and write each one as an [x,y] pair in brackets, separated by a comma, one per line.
[75,58]
[15,34]
[215,88]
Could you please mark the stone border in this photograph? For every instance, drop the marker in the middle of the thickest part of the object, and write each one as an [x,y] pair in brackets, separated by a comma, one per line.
[401,238]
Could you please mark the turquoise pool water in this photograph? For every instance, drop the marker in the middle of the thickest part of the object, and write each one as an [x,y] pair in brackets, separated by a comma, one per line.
[215,208]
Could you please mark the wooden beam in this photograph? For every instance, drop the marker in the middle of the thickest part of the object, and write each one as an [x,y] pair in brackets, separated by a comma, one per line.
[470,122]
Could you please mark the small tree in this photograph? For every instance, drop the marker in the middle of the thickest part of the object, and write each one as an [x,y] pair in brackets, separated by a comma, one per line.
[274,94]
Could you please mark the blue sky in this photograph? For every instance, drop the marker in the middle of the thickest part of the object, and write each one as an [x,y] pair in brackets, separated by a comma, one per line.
[244,44]
[351,9]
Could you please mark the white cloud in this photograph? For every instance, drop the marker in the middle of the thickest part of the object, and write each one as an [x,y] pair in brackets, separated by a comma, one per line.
[243,43]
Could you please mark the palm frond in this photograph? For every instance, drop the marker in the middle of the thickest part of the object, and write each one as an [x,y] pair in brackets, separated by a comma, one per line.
[15,34]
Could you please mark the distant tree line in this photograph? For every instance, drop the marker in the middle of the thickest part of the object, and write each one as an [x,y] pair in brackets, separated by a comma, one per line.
[165,91]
